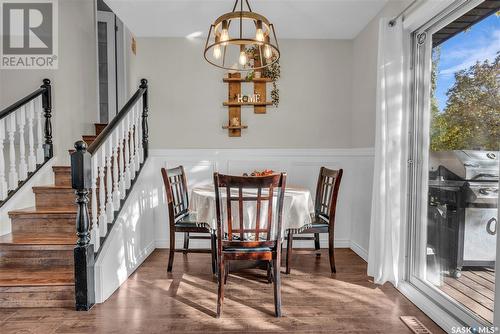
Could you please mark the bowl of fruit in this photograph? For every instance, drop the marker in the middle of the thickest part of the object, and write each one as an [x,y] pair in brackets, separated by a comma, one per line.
[264,172]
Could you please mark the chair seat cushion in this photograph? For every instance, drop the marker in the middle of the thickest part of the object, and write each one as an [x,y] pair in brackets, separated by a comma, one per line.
[190,220]
[322,225]
[318,225]
[247,249]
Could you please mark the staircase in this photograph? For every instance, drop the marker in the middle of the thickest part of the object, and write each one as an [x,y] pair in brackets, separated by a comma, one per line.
[36,259]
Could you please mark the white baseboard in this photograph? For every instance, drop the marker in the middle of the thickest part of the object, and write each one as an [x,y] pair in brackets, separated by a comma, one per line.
[356,248]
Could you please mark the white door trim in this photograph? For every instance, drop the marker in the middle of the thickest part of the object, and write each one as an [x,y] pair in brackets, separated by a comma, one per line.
[121,61]
[109,19]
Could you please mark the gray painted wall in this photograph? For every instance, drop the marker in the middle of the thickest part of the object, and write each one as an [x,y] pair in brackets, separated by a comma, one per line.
[187,95]
[364,77]
[75,91]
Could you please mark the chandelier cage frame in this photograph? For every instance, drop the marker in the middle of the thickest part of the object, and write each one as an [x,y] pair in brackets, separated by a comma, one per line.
[268,39]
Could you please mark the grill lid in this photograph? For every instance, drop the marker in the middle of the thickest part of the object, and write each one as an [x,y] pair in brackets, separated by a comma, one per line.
[467,164]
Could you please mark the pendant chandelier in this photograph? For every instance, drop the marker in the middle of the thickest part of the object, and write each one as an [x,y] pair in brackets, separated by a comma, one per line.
[241,40]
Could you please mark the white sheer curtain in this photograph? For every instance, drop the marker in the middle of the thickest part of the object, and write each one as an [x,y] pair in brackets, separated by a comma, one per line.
[387,214]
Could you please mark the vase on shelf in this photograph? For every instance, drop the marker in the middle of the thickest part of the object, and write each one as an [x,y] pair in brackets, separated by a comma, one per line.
[235,122]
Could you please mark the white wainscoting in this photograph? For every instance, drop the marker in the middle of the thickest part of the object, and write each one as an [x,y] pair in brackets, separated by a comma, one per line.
[302,167]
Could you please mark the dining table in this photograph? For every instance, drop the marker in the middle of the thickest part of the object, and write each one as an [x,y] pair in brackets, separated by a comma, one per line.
[297,208]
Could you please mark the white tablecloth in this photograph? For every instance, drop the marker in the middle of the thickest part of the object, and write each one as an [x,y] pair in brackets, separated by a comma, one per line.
[297,208]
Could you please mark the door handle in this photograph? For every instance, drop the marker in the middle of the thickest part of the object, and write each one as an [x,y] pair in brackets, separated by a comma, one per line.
[489,224]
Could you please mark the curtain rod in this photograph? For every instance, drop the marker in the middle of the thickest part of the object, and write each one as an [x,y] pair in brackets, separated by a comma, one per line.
[393,21]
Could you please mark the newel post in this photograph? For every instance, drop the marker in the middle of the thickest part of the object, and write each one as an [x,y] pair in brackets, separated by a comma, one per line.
[48,147]
[145,110]
[81,178]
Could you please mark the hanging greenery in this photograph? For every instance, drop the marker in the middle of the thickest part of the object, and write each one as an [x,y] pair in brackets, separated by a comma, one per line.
[272,72]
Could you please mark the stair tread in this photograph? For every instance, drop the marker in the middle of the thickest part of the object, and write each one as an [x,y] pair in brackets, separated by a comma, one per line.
[20,238]
[35,211]
[62,167]
[10,277]
[51,187]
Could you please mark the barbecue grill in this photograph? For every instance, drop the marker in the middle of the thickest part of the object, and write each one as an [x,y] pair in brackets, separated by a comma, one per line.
[463,208]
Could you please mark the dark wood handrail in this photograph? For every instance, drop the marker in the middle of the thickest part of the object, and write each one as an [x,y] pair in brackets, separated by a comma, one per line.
[10,109]
[101,138]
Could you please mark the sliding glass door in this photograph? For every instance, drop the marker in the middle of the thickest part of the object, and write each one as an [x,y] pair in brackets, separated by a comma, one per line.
[455,148]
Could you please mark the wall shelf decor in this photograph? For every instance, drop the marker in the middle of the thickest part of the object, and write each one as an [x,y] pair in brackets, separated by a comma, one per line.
[236,101]
[232,104]
[234,127]
[245,80]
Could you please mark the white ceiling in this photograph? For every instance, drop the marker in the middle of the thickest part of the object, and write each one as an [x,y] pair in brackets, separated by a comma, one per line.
[313,19]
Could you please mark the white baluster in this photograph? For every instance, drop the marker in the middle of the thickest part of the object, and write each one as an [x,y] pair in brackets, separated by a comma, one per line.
[141,150]
[122,183]
[11,130]
[136,139]
[109,181]
[21,122]
[39,132]
[131,131]
[103,223]
[30,113]
[128,175]
[3,182]
[116,169]
[95,236]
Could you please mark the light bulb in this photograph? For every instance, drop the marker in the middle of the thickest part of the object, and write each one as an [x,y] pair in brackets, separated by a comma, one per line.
[259,35]
[224,34]
[267,52]
[243,58]
[217,52]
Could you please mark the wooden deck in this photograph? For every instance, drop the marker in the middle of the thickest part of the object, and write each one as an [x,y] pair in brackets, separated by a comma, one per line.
[184,301]
[475,289]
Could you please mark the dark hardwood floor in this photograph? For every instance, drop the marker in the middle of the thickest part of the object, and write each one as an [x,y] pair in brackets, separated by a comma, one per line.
[153,301]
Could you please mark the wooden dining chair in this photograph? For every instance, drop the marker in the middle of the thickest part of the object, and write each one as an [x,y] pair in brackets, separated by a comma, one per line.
[250,242]
[181,219]
[323,220]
